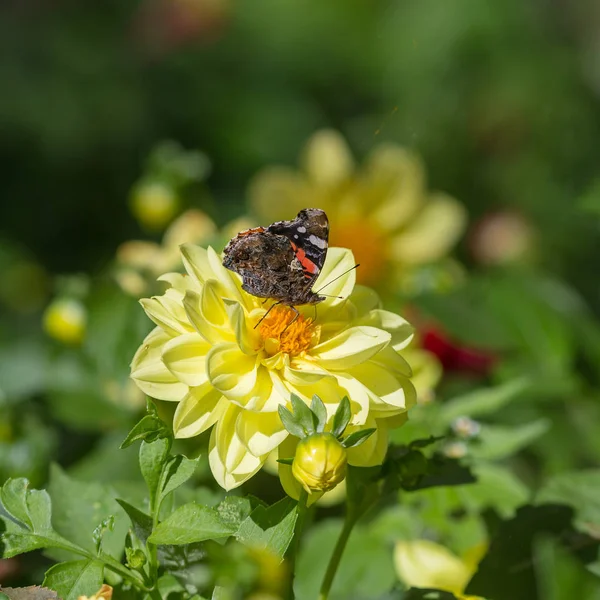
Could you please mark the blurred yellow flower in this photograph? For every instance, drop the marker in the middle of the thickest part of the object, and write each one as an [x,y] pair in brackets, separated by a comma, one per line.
[320,462]
[104,593]
[139,262]
[425,564]
[382,211]
[154,204]
[65,320]
[208,355]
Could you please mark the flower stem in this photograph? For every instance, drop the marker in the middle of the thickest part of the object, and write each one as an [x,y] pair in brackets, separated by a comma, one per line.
[302,510]
[334,561]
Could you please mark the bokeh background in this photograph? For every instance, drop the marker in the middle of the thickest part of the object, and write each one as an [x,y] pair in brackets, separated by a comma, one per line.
[117,117]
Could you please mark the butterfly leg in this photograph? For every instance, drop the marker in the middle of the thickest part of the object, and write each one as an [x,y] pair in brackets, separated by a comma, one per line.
[294,319]
[265,315]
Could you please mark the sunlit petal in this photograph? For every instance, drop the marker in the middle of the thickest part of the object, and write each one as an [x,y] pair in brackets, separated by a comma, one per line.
[198,411]
[185,357]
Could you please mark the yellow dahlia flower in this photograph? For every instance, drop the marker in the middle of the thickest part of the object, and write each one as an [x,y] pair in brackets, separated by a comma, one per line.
[212,354]
[382,211]
[425,564]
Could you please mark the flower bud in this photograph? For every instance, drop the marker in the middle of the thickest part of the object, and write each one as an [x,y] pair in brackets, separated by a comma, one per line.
[65,320]
[154,204]
[320,462]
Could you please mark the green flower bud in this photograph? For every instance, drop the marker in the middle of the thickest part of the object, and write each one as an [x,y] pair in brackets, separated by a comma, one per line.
[320,462]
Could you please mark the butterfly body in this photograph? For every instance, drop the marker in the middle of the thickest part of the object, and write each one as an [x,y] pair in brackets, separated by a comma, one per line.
[282,261]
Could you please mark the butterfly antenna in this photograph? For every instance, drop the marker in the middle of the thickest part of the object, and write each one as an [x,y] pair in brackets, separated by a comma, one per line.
[336,278]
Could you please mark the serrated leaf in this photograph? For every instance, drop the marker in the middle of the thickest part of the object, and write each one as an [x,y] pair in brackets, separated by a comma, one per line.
[319,413]
[342,417]
[153,457]
[176,472]
[79,507]
[75,578]
[13,495]
[140,521]
[290,422]
[358,437]
[483,401]
[191,523]
[303,414]
[270,528]
[148,429]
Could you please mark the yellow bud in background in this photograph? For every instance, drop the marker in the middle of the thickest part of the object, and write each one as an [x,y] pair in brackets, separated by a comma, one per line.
[104,593]
[320,462]
[154,204]
[65,320]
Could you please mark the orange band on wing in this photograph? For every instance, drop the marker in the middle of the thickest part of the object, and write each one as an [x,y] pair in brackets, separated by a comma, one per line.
[307,264]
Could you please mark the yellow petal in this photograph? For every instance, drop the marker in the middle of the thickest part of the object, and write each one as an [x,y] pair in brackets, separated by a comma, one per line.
[350,347]
[248,338]
[364,299]
[206,312]
[389,391]
[304,372]
[260,432]
[198,411]
[327,159]
[390,359]
[371,452]
[402,331]
[279,193]
[230,461]
[179,282]
[231,371]
[433,232]
[398,177]
[425,564]
[195,261]
[359,396]
[337,278]
[427,371]
[149,372]
[167,313]
[185,357]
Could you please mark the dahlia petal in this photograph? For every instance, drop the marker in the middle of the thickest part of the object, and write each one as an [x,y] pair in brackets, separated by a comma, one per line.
[433,232]
[199,410]
[337,276]
[247,337]
[327,160]
[177,281]
[304,372]
[195,261]
[359,396]
[260,432]
[149,372]
[364,299]
[371,452]
[206,312]
[401,330]
[226,278]
[230,461]
[389,391]
[389,358]
[166,313]
[185,357]
[350,347]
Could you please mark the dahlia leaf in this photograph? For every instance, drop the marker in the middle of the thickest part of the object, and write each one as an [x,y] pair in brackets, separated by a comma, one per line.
[342,417]
[319,413]
[75,578]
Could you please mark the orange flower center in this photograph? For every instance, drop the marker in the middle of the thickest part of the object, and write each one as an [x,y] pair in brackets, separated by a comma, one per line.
[368,245]
[284,331]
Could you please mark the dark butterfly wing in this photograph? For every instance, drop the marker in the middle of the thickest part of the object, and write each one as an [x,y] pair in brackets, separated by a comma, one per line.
[308,234]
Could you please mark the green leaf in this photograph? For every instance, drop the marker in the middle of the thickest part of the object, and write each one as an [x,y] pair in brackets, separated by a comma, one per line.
[290,422]
[303,414]
[79,507]
[153,457]
[358,437]
[13,497]
[75,578]
[191,523]
[496,441]
[578,489]
[234,509]
[176,472]
[319,413]
[270,528]
[148,429]
[342,417]
[423,443]
[484,401]
[140,521]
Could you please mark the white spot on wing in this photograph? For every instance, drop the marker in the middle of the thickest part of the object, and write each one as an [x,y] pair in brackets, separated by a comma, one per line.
[301,230]
[318,242]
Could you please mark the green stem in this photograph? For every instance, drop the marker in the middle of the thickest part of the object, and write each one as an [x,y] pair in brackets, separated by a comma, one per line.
[334,561]
[302,510]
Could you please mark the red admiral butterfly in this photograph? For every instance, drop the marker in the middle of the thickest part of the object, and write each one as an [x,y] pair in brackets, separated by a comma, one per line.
[282,261]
